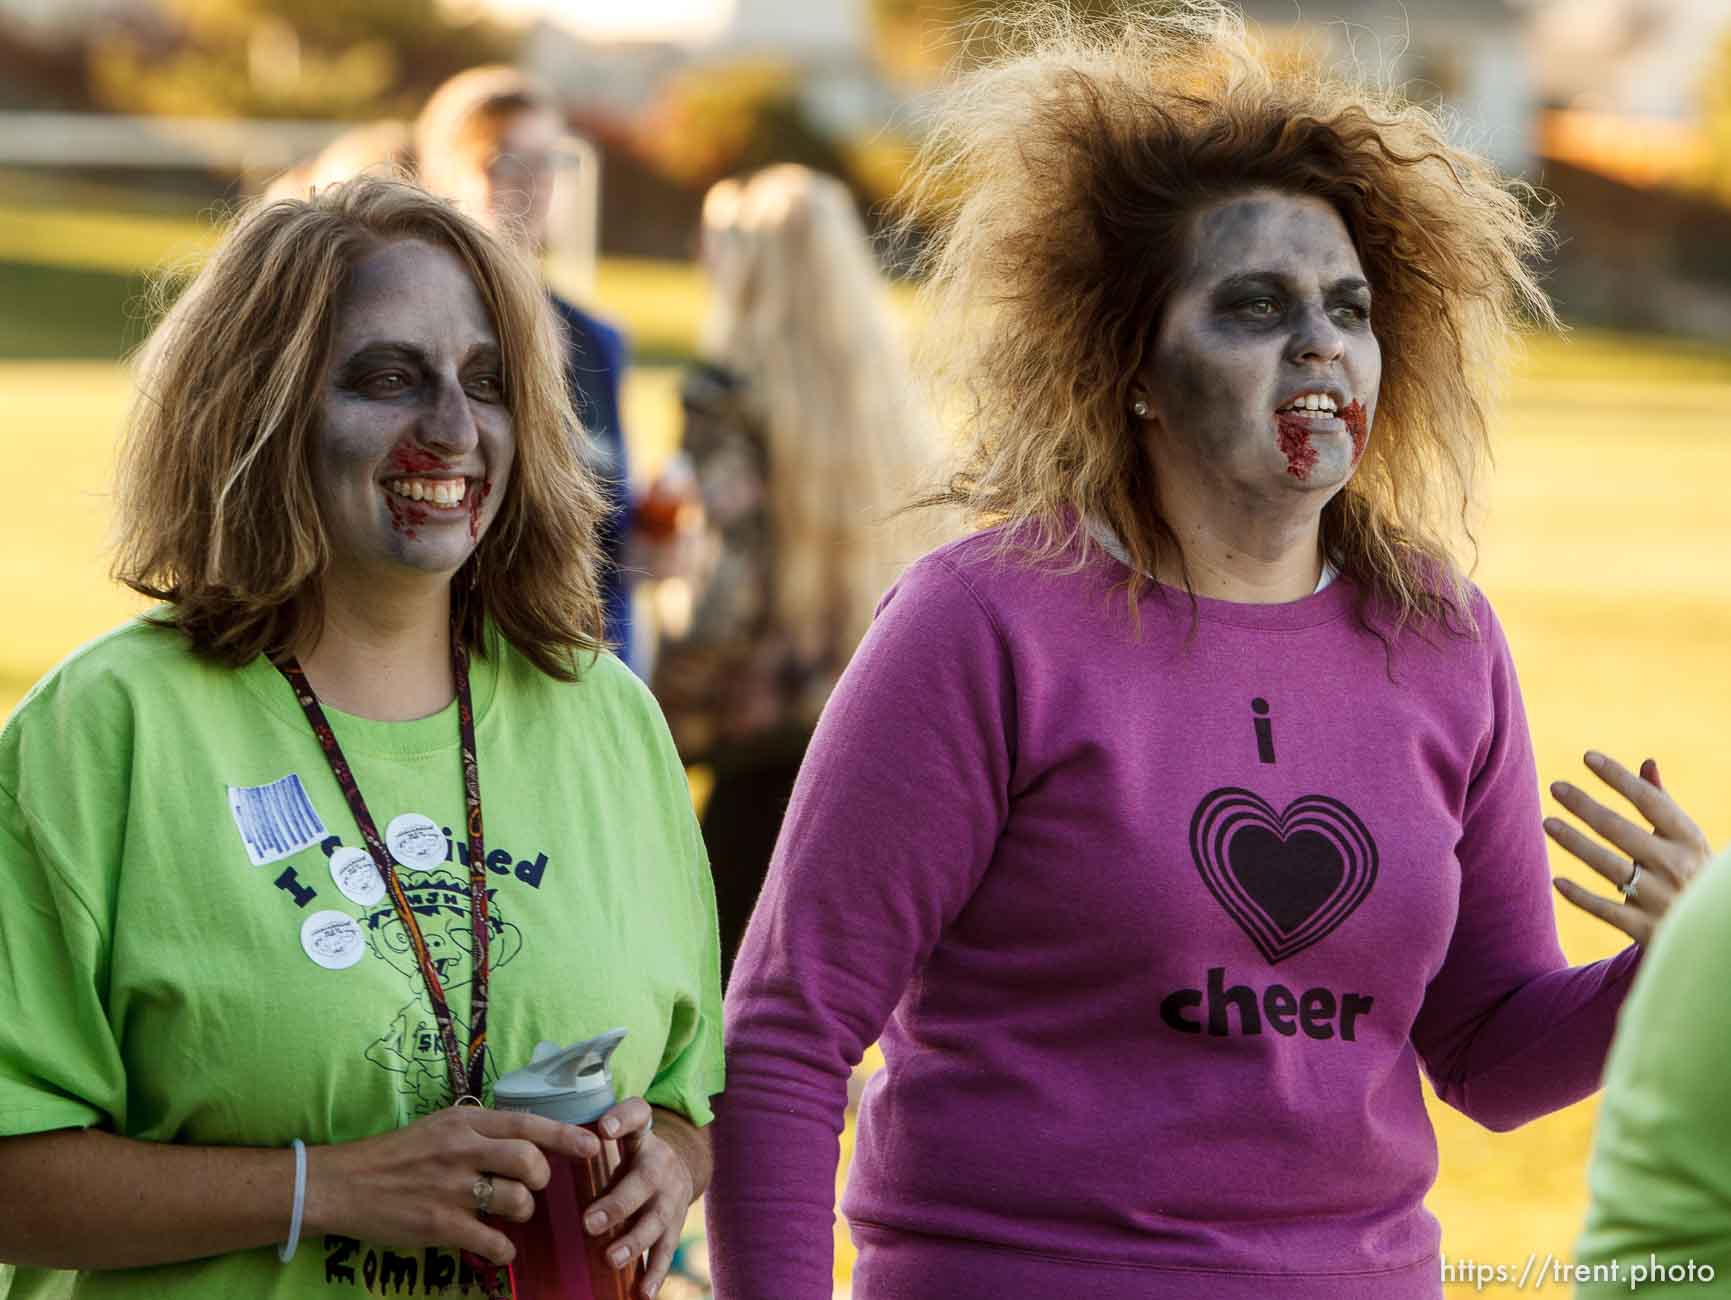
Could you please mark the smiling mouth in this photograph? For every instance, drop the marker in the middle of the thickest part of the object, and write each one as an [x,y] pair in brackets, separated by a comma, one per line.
[448,493]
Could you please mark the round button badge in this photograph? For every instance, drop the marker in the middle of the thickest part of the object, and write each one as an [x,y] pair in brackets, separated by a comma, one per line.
[333,940]
[416,841]
[357,876]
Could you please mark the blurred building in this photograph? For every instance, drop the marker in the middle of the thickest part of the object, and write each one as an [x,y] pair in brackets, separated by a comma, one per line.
[1472,56]
[1637,58]
[608,65]
[1622,149]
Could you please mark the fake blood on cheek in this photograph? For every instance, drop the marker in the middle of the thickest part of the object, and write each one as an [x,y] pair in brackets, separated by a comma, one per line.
[1353,417]
[477,498]
[1293,434]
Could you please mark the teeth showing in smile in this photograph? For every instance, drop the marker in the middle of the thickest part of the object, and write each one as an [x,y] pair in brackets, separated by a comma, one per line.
[1310,404]
[439,491]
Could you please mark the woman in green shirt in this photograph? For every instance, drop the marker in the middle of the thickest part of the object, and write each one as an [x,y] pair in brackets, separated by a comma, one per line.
[258,940]
[1660,1175]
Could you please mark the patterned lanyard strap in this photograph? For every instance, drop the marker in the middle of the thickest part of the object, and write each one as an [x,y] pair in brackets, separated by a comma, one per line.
[467,1075]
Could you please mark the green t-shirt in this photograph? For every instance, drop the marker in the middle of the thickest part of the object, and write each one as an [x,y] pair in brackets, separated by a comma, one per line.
[1660,1174]
[190,950]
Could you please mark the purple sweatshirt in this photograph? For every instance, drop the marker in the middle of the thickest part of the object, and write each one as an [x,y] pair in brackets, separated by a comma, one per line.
[1156,935]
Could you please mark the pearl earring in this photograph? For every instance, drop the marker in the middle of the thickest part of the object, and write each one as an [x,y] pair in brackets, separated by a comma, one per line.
[1141,409]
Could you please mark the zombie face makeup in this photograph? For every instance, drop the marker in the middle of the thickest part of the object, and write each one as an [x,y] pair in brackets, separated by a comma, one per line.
[415,446]
[1265,370]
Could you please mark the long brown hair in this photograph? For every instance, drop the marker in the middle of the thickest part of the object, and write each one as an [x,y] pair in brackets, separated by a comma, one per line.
[1059,181]
[217,514]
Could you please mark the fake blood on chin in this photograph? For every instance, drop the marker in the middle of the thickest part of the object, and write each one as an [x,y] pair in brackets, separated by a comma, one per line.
[406,516]
[1293,434]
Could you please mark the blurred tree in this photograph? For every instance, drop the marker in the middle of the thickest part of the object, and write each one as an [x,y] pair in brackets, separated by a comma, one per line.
[721,119]
[290,58]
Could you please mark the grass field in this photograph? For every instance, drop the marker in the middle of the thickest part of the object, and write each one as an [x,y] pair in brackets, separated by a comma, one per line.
[1607,554]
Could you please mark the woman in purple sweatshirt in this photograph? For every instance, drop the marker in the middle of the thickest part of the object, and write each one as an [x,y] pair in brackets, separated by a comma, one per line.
[1166,828]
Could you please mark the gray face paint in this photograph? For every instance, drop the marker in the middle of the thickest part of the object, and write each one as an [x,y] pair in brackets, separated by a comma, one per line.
[414,446]
[1272,303]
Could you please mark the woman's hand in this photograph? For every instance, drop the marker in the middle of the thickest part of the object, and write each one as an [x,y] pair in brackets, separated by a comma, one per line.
[652,1191]
[417,1186]
[1659,863]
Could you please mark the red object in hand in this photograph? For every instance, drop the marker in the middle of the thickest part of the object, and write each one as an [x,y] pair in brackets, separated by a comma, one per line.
[556,1259]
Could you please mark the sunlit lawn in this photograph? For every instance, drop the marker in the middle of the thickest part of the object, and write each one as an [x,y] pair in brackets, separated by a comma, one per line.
[1607,554]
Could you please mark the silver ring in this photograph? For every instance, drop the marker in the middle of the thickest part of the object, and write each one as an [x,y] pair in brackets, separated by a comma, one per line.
[482,1191]
[1633,884]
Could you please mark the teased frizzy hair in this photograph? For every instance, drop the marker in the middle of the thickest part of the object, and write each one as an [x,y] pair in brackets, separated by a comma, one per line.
[217,512]
[1058,185]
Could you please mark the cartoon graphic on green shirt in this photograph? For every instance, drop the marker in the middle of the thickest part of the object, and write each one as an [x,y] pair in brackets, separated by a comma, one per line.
[411,1047]
[198,952]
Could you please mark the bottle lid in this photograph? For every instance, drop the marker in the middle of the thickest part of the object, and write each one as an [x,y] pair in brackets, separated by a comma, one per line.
[572,1084]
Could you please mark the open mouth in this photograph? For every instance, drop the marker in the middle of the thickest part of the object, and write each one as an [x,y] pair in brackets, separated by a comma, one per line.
[1317,408]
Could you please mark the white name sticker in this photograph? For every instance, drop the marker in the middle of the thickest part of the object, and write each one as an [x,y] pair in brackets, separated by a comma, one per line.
[275,821]
[357,876]
[333,940]
[416,841]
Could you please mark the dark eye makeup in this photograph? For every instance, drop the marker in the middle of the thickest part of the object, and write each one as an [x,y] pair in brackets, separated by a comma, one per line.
[1261,298]
[391,369]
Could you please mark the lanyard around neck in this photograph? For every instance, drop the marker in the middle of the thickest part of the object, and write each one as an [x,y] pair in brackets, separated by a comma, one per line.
[467,1070]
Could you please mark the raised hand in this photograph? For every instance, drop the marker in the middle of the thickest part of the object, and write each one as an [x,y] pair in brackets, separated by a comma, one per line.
[1657,862]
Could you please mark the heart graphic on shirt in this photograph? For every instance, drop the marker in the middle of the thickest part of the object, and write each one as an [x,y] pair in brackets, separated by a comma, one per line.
[1287,878]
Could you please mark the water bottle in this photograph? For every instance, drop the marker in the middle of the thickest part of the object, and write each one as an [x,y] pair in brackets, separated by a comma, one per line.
[556,1259]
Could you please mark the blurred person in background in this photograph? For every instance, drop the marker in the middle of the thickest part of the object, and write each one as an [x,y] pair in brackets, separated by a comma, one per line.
[1167,829]
[491,140]
[805,435]
[385,146]
[251,903]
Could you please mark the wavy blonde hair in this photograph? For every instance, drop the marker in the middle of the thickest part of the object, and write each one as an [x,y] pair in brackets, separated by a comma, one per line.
[217,511]
[799,310]
[1059,182]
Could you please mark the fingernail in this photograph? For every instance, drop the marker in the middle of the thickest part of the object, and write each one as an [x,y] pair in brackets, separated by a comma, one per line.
[617,1256]
[1552,825]
[650,1288]
[1595,759]
[610,1126]
[596,1221]
[1557,788]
